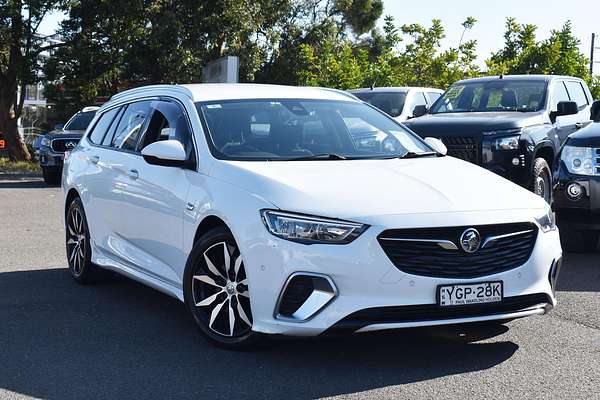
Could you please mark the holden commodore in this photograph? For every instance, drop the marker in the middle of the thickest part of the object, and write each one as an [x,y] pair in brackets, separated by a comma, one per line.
[273,210]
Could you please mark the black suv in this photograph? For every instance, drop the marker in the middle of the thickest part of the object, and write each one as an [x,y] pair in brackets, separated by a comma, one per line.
[577,188]
[511,125]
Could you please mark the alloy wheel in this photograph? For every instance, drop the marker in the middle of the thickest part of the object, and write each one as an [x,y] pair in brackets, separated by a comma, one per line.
[76,241]
[220,291]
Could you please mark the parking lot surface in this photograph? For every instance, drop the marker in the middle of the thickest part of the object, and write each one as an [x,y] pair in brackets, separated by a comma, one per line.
[121,340]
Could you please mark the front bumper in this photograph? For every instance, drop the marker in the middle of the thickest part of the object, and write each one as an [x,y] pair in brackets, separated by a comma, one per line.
[365,278]
[579,213]
[50,158]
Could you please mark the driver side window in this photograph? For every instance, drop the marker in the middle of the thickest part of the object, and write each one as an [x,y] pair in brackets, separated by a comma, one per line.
[560,94]
[168,121]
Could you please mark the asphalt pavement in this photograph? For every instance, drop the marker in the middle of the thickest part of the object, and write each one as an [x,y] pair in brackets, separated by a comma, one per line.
[121,340]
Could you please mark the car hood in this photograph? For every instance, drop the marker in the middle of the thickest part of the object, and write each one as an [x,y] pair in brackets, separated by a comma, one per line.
[65,134]
[472,123]
[586,137]
[350,189]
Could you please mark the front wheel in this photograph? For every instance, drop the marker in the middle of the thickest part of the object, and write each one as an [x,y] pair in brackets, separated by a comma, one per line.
[542,180]
[51,176]
[579,241]
[216,290]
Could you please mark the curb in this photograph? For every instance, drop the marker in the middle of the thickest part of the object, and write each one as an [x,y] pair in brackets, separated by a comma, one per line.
[18,175]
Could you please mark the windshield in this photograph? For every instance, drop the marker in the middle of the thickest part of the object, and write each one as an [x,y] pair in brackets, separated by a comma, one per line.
[80,121]
[492,96]
[277,129]
[390,103]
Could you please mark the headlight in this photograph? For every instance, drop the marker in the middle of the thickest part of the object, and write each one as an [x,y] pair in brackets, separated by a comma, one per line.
[310,230]
[547,222]
[578,160]
[507,143]
[45,142]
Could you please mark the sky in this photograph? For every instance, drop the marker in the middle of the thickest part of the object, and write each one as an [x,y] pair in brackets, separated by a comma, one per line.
[491,16]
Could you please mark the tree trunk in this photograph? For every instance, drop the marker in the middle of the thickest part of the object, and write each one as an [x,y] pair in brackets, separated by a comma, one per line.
[17,150]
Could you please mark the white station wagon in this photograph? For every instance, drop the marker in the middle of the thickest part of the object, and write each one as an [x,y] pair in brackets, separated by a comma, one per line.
[299,211]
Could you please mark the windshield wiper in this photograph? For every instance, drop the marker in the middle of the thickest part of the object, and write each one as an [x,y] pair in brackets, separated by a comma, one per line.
[324,156]
[412,154]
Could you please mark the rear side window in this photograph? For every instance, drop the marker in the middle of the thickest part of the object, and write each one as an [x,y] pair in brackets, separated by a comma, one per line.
[102,126]
[576,93]
[131,125]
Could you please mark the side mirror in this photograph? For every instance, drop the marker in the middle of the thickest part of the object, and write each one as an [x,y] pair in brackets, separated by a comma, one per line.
[59,127]
[595,111]
[419,111]
[437,145]
[566,108]
[167,153]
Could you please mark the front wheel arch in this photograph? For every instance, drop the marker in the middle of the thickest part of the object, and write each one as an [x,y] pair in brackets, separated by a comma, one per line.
[72,194]
[548,154]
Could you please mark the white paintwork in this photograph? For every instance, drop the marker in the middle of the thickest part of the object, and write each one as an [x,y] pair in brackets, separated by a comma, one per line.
[165,150]
[143,227]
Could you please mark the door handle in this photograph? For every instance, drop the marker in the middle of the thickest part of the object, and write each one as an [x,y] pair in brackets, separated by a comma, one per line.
[94,159]
[579,125]
[133,173]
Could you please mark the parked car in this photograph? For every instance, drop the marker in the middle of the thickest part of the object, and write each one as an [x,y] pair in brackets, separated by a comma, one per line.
[399,102]
[577,188]
[255,206]
[52,146]
[511,125]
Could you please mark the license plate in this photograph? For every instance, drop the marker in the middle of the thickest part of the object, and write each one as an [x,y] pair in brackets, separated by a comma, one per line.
[466,294]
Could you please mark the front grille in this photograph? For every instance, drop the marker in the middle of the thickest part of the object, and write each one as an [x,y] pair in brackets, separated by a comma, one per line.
[597,161]
[437,252]
[465,148]
[432,312]
[62,145]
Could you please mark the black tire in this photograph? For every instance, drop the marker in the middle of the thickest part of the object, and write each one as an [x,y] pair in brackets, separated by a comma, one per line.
[77,242]
[215,294]
[579,241]
[542,180]
[52,176]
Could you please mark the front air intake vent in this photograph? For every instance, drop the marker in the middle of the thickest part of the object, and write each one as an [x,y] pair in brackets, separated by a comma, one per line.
[304,295]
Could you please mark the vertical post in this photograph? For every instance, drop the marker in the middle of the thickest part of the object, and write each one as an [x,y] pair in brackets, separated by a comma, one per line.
[592,54]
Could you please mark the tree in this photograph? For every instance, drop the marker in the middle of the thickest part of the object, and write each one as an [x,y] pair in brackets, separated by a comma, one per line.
[322,25]
[360,15]
[116,44]
[379,61]
[524,54]
[20,46]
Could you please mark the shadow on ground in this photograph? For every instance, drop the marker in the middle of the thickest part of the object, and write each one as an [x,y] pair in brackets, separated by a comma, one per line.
[119,339]
[580,273]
